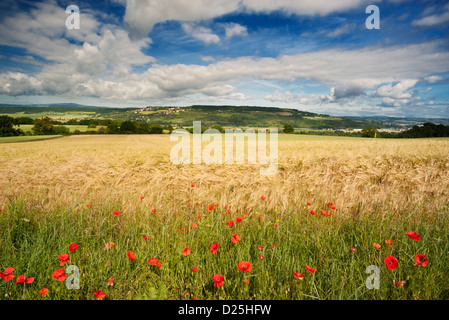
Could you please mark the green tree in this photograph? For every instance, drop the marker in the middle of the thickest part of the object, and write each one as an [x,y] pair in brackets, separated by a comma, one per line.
[7,127]
[288,128]
[128,127]
[370,132]
[43,126]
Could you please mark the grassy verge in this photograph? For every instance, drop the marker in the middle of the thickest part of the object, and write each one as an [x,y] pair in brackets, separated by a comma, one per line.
[27,138]
[32,239]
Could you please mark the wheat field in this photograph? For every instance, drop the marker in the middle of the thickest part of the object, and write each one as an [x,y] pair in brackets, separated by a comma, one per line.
[399,184]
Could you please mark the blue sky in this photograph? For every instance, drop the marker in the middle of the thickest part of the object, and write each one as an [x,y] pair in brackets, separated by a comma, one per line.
[312,55]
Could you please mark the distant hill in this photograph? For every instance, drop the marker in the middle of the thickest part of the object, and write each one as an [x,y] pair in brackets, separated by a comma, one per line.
[226,116]
[399,122]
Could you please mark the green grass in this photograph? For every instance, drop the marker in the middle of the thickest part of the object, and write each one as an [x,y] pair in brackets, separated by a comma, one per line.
[32,239]
[72,128]
[27,138]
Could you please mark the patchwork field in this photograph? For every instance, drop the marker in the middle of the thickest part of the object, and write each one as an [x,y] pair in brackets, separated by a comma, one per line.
[95,190]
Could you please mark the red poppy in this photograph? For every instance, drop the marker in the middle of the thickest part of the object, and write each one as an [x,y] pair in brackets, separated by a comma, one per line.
[100,294]
[262,257]
[298,276]
[59,275]
[389,242]
[141,198]
[186,252]
[263,198]
[73,247]
[194,269]
[312,212]
[235,238]
[245,282]
[218,279]
[309,203]
[152,261]
[109,245]
[116,213]
[188,206]
[421,260]
[110,281]
[376,246]
[352,249]
[153,210]
[238,219]
[210,207]
[260,248]
[391,262]
[193,226]
[43,292]
[230,223]
[400,284]
[413,235]
[145,237]
[214,248]
[310,269]
[131,255]
[324,213]
[64,259]
[329,204]
[89,205]
[20,279]
[245,266]
[192,185]
[159,264]
[29,280]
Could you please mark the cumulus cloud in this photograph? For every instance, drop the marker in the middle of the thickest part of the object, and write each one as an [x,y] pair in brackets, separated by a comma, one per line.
[397,91]
[142,15]
[201,33]
[234,30]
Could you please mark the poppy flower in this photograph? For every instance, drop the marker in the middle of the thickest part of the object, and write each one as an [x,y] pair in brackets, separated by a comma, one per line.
[43,292]
[29,280]
[188,206]
[389,242]
[109,245]
[309,203]
[214,248]
[245,282]
[145,237]
[312,212]
[131,255]
[218,279]
[186,252]
[400,284]
[376,246]
[193,226]
[194,269]
[64,259]
[152,261]
[260,248]
[116,213]
[99,294]
[262,257]
[298,276]
[263,198]
[159,264]
[352,249]
[421,260]
[413,235]
[210,207]
[110,281]
[153,210]
[192,185]
[391,262]
[20,279]
[330,204]
[230,223]
[245,266]
[89,205]
[59,275]
[310,269]
[260,217]
[235,238]
[73,247]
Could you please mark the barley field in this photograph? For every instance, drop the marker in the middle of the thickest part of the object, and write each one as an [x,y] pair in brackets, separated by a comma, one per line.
[112,205]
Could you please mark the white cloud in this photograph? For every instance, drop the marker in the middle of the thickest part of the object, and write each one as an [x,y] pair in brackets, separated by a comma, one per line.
[201,33]
[398,91]
[434,19]
[142,15]
[234,30]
